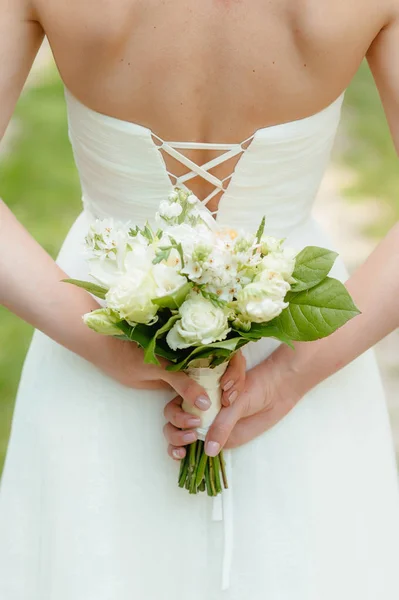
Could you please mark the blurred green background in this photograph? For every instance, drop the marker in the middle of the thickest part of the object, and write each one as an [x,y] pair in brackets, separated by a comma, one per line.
[39,183]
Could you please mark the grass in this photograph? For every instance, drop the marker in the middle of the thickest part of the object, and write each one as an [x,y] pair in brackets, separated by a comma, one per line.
[369,151]
[40,185]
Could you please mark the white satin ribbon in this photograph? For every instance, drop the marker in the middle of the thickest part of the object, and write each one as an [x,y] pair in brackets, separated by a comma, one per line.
[222,509]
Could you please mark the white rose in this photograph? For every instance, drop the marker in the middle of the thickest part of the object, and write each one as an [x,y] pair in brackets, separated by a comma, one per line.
[256,305]
[273,284]
[102,321]
[169,209]
[282,262]
[167,280]
[201,323]
[173,196]
[131,297]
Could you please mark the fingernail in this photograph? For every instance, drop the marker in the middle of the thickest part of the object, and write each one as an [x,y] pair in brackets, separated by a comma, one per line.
[177,453]
[233,396]
[228,385]
[203,403]
[189,437]
[212,448]
[194,422]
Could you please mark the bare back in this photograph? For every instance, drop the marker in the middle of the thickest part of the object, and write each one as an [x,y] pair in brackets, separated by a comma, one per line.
[211,70]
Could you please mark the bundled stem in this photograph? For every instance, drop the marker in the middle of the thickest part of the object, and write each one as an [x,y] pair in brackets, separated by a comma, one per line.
[200,473]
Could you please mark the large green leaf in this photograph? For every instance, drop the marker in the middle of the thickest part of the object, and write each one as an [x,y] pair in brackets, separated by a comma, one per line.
[224,348]
[152,348]
[318,312]
[312,265]
[92,288]
[176,299]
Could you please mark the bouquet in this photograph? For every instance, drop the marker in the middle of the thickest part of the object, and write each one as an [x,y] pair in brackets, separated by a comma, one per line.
[194,293]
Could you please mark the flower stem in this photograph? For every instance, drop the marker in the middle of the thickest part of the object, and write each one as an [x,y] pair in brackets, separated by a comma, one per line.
[212,477]
[198,450]
[223,469]
[201,468]
[216,469]
[183,471]
[191,468]
[208,479]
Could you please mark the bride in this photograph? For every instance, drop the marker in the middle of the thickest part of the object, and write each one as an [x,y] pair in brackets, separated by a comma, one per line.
[89,507]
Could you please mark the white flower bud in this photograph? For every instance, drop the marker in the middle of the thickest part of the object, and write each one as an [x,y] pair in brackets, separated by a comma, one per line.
[102,321]
[192,199]
[169,209]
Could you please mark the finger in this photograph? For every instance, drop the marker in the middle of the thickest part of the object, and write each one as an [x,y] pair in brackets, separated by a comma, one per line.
[176,453]
[188,389]
[177,437]
[233,381]
[175,414]
[222,427]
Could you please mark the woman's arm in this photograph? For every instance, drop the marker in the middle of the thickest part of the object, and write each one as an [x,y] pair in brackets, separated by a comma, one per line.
[29,279]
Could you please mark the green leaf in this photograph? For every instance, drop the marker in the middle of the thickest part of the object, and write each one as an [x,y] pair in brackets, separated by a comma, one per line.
[261,230]
[142,335]
[318,312]
[150,352]
[147,232]
[312,265]
[263,330]
[92,288]
[174,300]
[162,254]
[214,298]
[179,248]
[225,348]
[134,232]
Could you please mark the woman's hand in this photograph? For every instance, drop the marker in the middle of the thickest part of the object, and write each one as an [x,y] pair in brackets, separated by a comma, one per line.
[180,429]
[268,395]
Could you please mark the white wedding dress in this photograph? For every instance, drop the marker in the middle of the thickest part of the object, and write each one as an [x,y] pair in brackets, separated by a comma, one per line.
[90,508]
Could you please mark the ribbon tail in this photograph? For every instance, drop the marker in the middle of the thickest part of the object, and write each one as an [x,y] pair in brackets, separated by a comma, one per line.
[228,517]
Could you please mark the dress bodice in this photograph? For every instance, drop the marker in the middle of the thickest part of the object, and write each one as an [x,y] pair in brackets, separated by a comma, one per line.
[123,173]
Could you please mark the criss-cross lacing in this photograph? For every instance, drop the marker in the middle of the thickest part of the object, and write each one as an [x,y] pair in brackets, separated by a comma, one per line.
[231,150]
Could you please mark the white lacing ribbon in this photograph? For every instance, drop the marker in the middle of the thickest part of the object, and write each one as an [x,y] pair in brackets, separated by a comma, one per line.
[231,150]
